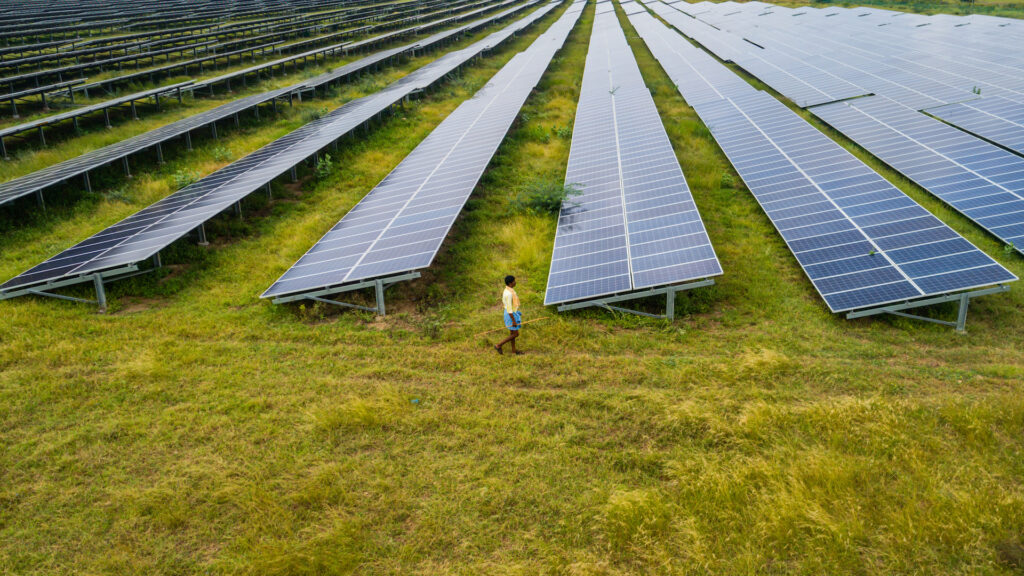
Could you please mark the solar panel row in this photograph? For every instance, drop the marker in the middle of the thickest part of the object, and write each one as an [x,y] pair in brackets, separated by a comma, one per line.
[980,180]
[76,114]
[635,224]
[216,53]
[994,118]
[862,242]
[144,234]
[914,64]
[399,226]
[81,165]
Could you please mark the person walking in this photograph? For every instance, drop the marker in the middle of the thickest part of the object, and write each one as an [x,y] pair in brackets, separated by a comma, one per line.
[513,317]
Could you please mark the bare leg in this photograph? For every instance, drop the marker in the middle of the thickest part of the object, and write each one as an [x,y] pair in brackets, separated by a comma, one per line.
[512,335]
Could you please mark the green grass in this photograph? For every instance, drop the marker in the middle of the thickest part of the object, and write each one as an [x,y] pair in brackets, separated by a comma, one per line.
[197,429]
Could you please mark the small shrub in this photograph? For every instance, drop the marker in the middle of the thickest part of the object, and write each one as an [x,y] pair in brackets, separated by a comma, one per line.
[563,132]
[117,194]
[537,134]
[1009,248]
[324,166]
[184,177]
[221,154]
[544,197]
[728,181]
[313,115]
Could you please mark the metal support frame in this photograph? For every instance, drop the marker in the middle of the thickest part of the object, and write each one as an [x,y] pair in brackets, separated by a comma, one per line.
[378,284]
[97,279]
[964,299]
[668,291]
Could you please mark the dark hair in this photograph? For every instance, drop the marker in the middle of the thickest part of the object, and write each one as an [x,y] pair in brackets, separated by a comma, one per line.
[509,279]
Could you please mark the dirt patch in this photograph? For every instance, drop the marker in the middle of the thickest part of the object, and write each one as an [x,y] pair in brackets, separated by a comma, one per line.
[136,305]
[293,190]
[173,271]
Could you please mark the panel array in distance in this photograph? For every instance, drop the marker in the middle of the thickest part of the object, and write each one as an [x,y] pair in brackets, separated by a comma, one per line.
[399,226]
[862,242]
[635,224]
[148,231]
[980,180]
[57,173]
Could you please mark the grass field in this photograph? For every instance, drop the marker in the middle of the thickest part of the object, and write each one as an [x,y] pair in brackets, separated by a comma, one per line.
[196,429]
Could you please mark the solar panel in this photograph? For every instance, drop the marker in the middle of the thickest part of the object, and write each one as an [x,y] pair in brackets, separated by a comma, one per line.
[399,226]
[994,118]
[916,68]
[77,113]
[983,182]
[635,224]
[861,241]
[147,232]
[57,173]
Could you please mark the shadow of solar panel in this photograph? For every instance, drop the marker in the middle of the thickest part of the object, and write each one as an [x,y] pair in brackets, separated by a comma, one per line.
[635,224]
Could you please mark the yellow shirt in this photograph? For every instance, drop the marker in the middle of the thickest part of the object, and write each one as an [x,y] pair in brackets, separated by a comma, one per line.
[510,299]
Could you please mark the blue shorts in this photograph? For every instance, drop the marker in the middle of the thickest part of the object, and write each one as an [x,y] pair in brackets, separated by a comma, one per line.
[514,320]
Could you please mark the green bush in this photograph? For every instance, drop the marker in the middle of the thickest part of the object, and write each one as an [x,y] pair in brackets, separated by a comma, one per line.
[543,197]
[324,165]
[727,181]
[221,154]
[184,177]
[313,115]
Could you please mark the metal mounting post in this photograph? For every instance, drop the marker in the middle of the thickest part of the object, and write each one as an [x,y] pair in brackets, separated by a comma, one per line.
[127,170]
[668,291]
[202,235]
[379,288]
[101,294]
[88,184]
[963,300]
